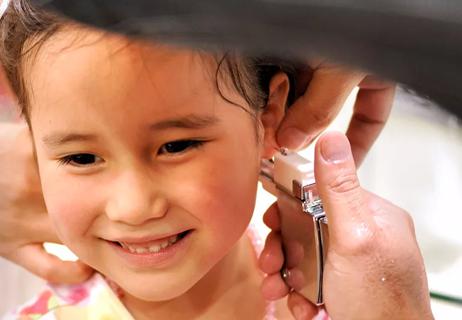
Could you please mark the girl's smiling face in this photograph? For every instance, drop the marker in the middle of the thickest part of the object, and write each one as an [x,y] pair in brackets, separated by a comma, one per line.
[148,174]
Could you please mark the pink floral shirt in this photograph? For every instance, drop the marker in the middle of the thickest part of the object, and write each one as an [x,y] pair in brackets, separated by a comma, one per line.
[93,300]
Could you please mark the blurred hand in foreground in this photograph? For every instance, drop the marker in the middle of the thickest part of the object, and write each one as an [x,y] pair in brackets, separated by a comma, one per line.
[24,223]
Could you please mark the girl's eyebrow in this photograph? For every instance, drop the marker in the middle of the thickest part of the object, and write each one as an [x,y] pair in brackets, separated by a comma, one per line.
[192,121]
[60,138]
[186,122]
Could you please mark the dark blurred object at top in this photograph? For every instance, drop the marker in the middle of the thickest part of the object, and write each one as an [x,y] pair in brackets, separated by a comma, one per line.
[415,42]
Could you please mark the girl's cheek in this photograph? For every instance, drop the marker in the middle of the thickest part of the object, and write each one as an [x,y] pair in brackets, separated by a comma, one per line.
[69,206]
[222,199]
[68,216]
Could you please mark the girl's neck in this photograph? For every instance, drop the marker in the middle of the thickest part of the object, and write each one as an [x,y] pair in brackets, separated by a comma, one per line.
[230,290]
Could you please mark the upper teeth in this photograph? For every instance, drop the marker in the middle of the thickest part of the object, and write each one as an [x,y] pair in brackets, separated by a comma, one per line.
[152,248]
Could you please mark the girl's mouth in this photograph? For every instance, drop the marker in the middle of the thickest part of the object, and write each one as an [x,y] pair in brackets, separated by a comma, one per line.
[154,246]
[158,254]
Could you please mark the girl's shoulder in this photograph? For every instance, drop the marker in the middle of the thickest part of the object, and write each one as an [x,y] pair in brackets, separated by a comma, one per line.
[92,299]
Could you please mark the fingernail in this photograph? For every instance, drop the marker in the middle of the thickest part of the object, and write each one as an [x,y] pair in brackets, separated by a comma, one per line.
[322,315]
[292,138]
[335,148]
[299,312]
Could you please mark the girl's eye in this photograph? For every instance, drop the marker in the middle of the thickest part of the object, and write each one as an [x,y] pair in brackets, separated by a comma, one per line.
[179,146]
[80,160]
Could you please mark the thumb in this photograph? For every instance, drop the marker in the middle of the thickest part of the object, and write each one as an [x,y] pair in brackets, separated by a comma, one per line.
[338,186]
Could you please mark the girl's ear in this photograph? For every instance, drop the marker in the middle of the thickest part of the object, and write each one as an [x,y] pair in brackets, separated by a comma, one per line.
[274,112]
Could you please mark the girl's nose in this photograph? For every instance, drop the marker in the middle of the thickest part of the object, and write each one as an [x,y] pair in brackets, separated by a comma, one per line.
[135,199]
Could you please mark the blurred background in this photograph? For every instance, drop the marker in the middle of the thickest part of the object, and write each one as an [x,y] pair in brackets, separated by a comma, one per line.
[415,163]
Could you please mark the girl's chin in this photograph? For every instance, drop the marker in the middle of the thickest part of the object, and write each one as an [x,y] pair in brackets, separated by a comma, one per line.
[159,291]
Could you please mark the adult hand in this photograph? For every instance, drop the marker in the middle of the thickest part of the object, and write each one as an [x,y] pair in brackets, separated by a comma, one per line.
[24,223]
[325,89]
[374,269]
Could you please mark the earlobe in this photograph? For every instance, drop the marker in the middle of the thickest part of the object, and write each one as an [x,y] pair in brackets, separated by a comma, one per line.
[274,112]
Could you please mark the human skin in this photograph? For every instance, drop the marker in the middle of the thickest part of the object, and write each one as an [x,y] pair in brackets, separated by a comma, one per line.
[25,222]
[325,87]
[374,268]
[122,106]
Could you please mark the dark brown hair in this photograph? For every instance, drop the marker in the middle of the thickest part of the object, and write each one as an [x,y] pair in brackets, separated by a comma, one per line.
[24,28]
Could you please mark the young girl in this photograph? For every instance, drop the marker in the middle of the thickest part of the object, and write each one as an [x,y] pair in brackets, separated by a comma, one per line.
[149,158]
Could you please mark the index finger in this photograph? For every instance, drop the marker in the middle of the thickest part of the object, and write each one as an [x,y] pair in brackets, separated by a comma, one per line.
[35,259]
[271,217]
[312,112]
[370,113]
